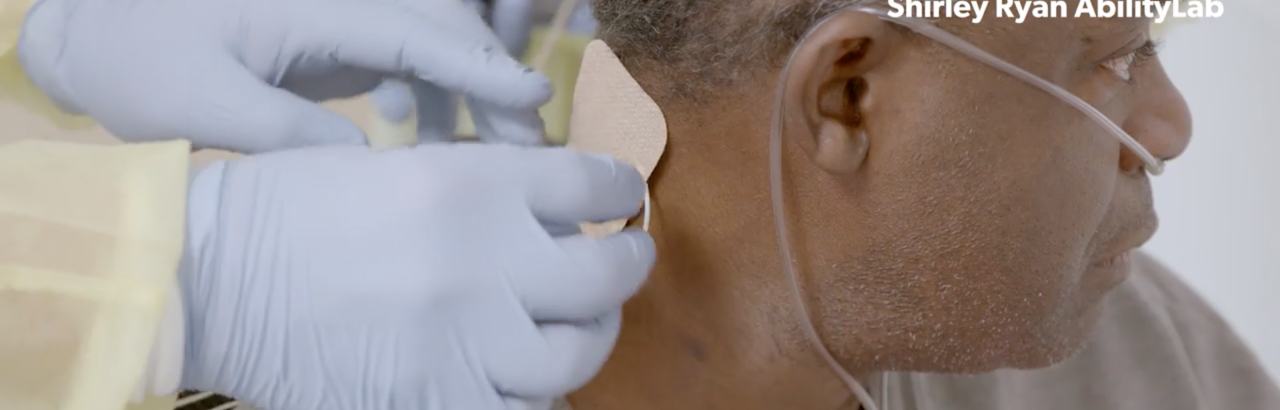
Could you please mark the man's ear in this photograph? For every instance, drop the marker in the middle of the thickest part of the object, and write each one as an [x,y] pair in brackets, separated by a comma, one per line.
[825,99]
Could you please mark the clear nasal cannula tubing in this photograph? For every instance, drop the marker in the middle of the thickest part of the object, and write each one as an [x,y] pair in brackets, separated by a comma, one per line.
[1154,166]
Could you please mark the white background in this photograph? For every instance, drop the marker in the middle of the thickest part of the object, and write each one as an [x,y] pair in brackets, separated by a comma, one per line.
[1220,204]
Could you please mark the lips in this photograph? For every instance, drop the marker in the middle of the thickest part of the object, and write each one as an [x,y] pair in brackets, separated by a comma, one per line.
[1122,252]
[1119,260]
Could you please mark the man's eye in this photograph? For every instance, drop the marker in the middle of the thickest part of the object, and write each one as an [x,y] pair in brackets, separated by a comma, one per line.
[1119,66]
[1122,66]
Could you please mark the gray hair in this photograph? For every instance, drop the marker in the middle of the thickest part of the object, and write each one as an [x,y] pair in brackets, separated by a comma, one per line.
[692,48]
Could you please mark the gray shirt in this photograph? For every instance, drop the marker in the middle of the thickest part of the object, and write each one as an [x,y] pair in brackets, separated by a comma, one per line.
[1159,346]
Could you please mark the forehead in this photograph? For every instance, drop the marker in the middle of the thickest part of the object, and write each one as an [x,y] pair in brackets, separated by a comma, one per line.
[991,22]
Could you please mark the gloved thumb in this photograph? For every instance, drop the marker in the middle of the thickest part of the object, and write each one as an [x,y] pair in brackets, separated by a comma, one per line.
[242,113]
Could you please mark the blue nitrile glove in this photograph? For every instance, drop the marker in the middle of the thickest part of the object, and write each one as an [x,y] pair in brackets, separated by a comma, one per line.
[437,107]
[512,22]
[244,75]
[436,277]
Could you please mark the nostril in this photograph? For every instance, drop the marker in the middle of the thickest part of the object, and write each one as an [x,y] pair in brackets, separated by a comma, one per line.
[1131,164]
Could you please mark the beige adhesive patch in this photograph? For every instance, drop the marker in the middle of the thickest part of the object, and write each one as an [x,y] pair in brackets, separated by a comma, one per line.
[613,115]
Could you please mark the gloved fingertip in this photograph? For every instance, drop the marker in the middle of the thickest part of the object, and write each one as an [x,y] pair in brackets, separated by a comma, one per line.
[394,101]
[510,84]
[639,247]
[535,89]
[508,126]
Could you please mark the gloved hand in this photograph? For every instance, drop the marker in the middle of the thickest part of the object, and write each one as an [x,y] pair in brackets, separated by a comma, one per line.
[244,75]
[438,277]
[436,108]
[512,22]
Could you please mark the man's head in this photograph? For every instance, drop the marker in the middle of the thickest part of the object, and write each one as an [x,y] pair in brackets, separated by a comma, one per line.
[946,217]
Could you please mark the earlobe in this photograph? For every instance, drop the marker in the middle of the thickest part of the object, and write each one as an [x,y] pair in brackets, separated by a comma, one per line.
[826,85]
[840,149]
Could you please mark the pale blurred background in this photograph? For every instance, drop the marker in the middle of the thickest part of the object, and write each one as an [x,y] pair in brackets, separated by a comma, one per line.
[1219,204]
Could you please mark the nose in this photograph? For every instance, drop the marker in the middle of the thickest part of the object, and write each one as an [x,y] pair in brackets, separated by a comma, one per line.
[1161,120]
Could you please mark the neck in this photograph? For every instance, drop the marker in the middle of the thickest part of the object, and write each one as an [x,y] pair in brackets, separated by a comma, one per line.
[714,327]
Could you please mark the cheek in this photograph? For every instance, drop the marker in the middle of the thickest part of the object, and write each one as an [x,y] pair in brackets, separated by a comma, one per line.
[1013,184]
[974,233]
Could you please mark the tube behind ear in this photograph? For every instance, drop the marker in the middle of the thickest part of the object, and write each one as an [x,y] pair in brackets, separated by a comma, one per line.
[613,115]
[826,89]
[802,88]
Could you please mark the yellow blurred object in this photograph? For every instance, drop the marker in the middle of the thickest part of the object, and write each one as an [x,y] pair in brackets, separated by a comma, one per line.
[11,14]
[90,240]
[155,403]
[562,69]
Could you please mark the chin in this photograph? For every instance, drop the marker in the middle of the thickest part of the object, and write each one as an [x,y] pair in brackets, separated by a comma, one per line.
[1060,343]
[1035,344]
[1059,336]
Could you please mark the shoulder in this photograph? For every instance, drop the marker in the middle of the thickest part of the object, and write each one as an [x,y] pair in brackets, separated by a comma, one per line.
[1205,335]
[1162,289]
[1158,345]
[1154,291]
[1156,306]
[1156,328]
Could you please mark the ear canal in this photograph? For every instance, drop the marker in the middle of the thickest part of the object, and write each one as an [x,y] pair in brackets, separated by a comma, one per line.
[839,102]
[854,90]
